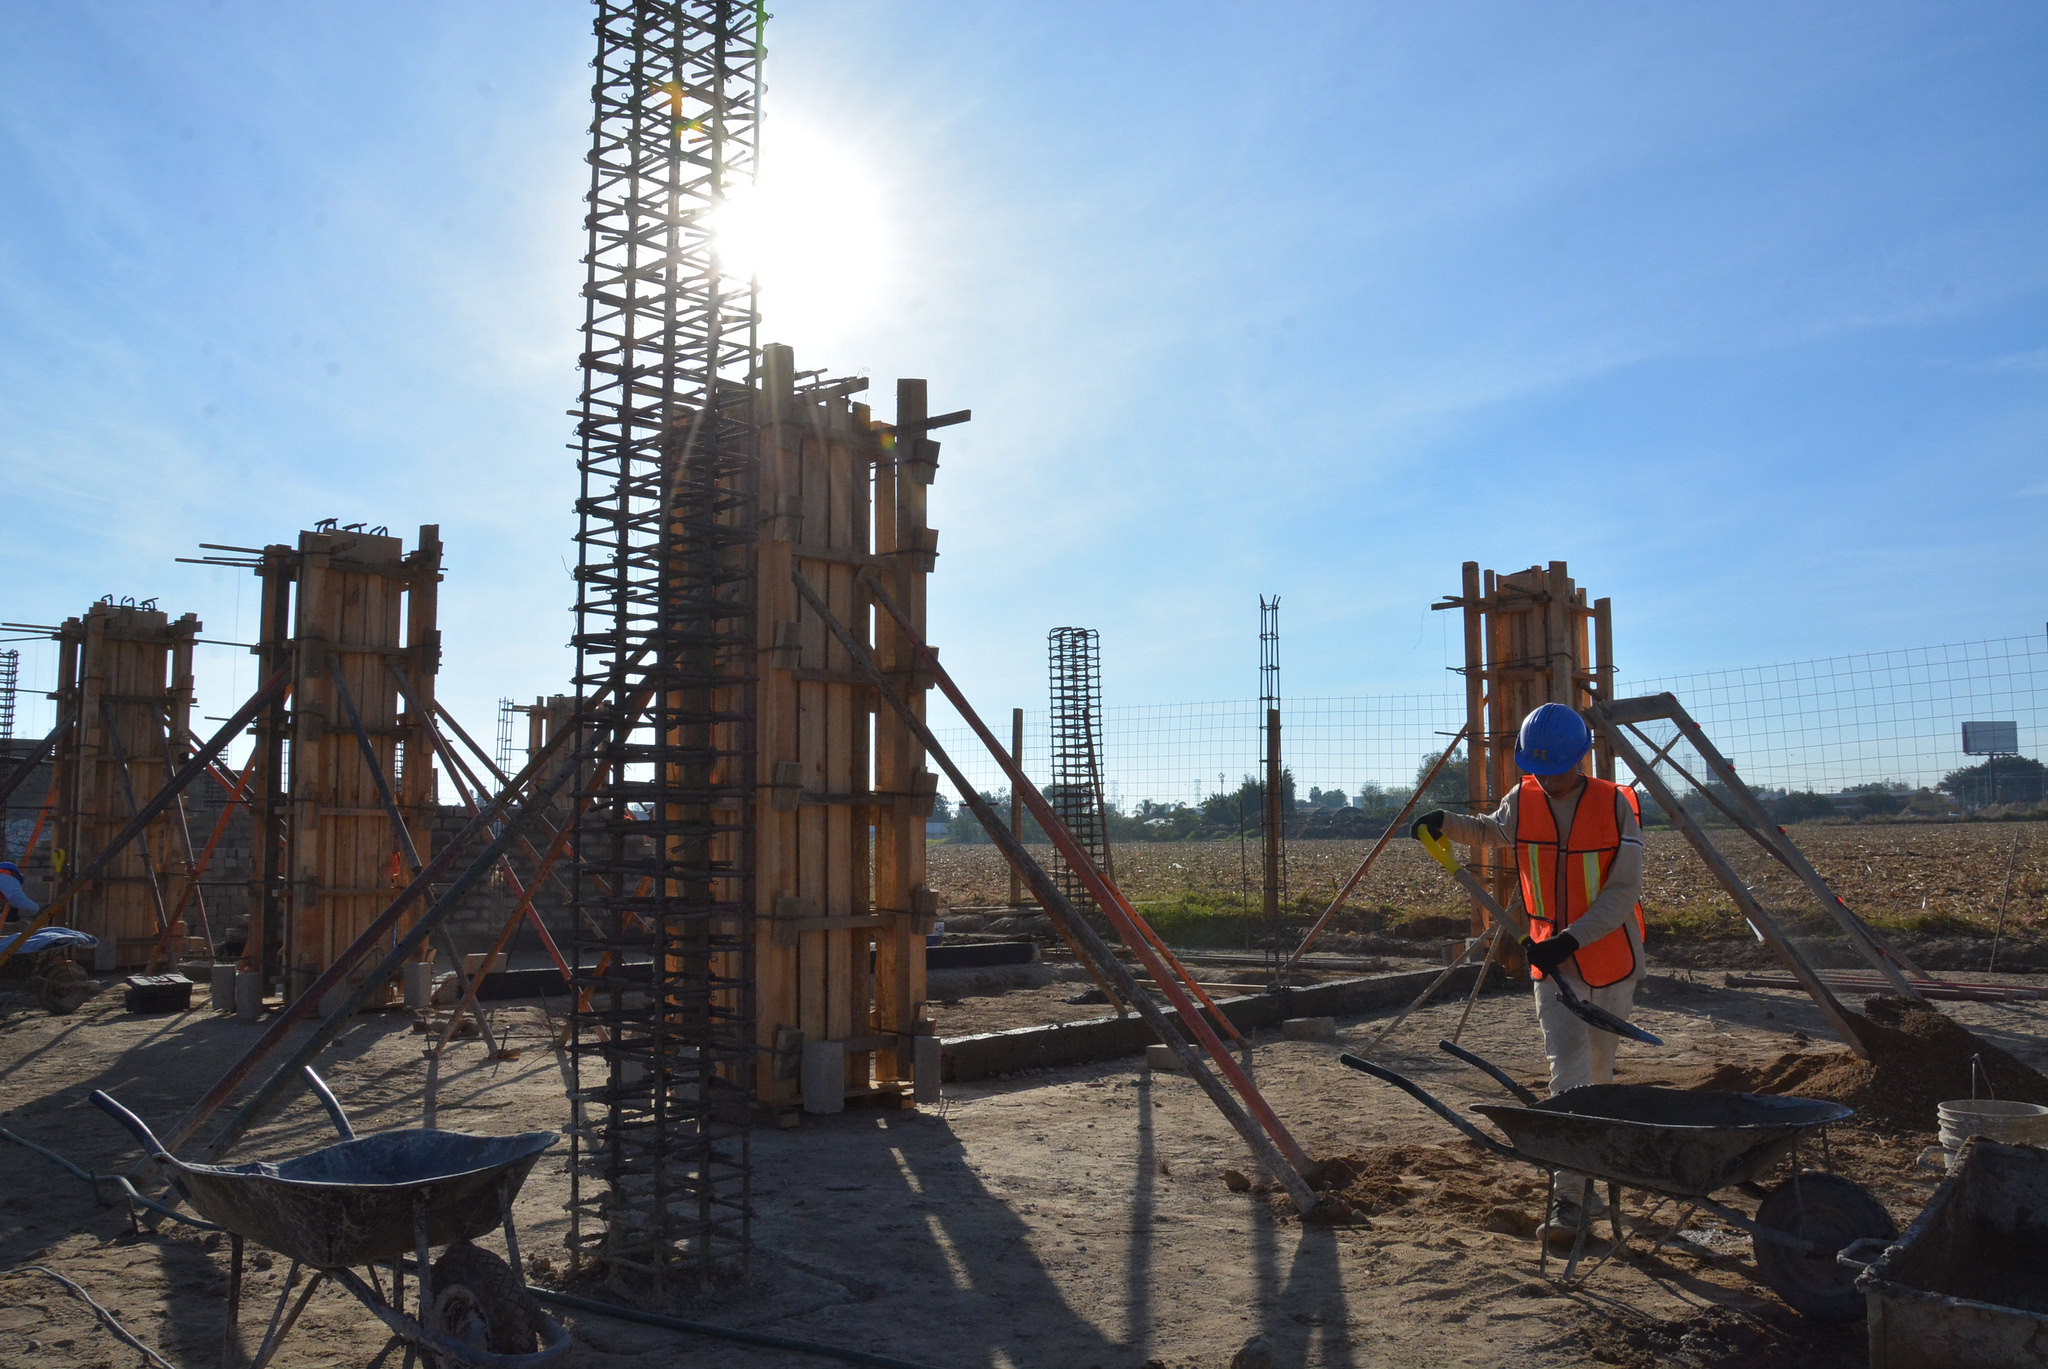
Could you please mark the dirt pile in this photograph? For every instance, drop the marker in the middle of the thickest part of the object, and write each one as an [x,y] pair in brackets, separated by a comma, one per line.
[1919,1059]
[1459,1180]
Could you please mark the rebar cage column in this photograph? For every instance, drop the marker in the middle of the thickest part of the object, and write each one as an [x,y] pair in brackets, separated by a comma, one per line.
[662,1039]
[1075,658]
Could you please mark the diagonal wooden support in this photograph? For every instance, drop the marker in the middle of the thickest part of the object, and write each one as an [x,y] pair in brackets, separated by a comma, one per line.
[304,1006]
[220,828]
[1749,815]
[1267,1137]
[1779,845]
[545,870]
[41,753]
[1077,858]
[1371,856]
[1606,726]
[402,950]
[399,831]
[272,688]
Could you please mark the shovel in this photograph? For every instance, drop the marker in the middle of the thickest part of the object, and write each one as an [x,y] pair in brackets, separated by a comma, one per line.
[1592,1015]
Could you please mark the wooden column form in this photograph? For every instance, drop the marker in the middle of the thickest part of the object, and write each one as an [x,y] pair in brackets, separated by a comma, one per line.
[125,676]
[907,788]
[1530,638]
[354,600]
[839,847]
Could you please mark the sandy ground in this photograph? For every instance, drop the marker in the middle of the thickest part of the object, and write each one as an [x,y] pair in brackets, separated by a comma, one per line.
[1073,1218]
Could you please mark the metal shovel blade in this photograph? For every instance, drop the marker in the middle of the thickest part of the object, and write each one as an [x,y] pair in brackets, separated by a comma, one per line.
[1598,1017]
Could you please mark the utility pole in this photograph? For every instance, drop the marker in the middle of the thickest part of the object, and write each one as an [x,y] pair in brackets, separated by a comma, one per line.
[1016,804]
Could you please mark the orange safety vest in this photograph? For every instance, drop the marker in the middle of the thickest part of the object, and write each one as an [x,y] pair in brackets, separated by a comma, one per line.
[1562,875]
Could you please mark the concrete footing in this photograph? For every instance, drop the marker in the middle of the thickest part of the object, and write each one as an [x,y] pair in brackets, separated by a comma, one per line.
[967,1058]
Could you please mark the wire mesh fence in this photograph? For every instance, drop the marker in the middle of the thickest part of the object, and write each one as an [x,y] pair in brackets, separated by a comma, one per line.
[1890,718]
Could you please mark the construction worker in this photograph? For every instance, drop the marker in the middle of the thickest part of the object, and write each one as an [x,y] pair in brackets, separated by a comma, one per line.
[1578,844]
[19,904]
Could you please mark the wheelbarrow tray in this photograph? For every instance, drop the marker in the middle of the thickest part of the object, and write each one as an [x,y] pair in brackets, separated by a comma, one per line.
[1674,1141]
[1965,1284]
[352,1203]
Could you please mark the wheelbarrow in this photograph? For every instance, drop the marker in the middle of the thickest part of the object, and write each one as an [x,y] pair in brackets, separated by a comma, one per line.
[53,976]
[372,1201]
[1687,1145]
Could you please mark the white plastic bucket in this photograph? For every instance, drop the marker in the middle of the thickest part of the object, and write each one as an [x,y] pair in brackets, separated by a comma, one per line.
[2018,1124]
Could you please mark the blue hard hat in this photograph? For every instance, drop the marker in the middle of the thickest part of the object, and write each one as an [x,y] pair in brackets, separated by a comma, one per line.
[10,868]
[1552,740]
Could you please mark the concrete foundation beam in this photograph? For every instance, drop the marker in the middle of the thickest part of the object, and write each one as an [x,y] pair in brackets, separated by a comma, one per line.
[965,1059]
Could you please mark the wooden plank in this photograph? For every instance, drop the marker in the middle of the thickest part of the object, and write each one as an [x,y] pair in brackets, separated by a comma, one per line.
[775,878]
[813,501]
[1603,670]
[843,1014]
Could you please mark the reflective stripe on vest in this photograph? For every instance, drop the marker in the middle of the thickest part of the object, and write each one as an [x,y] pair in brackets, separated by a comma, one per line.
[1560,895]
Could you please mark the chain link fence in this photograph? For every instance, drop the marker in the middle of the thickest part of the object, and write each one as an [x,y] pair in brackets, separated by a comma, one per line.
[1889,718]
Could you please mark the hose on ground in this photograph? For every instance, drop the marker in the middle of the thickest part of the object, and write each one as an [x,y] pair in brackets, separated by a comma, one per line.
[150,1358]
[120,1181]
[695,1328]
[570,1300]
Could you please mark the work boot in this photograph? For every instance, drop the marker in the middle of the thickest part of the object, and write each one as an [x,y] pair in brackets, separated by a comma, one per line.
[1565,1219]
[1567,1214]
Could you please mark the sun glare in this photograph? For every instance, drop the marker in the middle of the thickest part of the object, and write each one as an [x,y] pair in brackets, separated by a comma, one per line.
[812,231]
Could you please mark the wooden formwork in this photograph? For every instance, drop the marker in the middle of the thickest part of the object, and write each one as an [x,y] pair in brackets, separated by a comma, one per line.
[839,844]
[124,679]
[1531,638]
[356,604]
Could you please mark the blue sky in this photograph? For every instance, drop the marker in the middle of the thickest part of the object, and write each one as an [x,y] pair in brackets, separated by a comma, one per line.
[1741,309]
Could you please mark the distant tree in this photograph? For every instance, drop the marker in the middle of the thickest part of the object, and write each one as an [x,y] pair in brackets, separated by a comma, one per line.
[1450,788]
[966,828]
[1876,799]
[1220,810]
[1802,805]
[942,809]
[1327,798]
[2001,779]
[1377,802]
[1702,803]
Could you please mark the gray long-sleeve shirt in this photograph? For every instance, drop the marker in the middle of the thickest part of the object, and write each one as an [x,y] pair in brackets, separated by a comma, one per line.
[1624,887]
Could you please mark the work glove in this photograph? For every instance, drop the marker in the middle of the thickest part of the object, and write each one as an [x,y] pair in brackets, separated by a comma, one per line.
[1433,820]
[1551,952]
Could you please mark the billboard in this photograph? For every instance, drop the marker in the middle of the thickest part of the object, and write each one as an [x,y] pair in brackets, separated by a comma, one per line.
[1991,739]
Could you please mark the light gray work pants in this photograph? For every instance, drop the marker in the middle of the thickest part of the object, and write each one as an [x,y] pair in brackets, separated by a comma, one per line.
[1580,1053]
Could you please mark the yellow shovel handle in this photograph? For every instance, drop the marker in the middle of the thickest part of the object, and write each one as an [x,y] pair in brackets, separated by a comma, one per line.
[1440,848]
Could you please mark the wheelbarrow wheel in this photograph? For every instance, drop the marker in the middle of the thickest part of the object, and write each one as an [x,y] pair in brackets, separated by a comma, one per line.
[61,987]
[480,1302]
[1833,1213]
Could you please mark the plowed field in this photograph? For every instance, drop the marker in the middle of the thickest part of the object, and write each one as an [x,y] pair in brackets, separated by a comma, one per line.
[1923,876]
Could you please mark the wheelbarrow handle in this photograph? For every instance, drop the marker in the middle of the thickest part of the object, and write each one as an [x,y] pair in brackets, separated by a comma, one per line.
[1422,1096]
[1860,1255]
[139,1129]
[1500,1076]
[330,1102]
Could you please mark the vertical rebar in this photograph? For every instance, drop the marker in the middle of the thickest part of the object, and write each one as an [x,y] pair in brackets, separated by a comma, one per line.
[503,753]
[663,967]
[1273,808]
